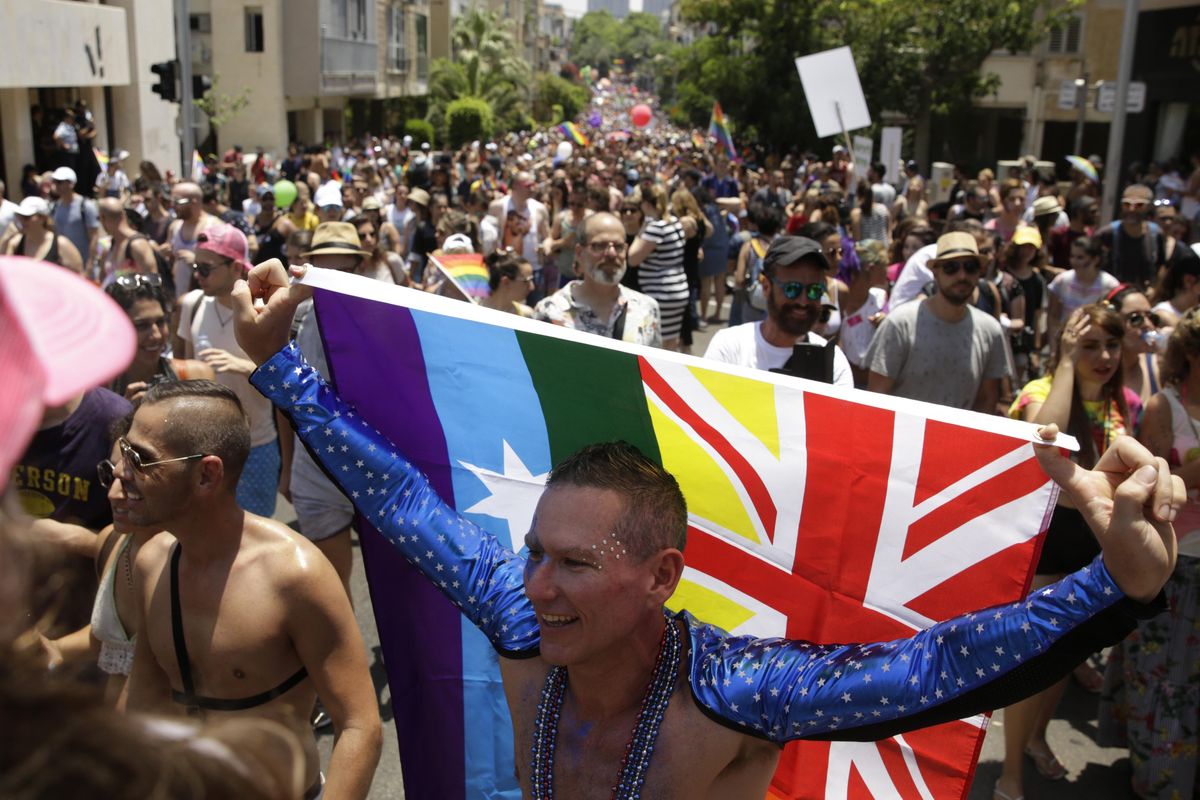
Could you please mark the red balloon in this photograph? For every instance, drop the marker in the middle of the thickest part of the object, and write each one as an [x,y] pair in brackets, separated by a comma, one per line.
[640,114]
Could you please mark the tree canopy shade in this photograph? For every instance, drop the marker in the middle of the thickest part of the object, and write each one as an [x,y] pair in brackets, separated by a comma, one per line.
[915,57]
[599,38]
[486,66]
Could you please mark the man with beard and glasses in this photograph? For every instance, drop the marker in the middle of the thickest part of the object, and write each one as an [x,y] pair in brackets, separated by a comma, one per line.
[793,281]
[599,303]
[942,349]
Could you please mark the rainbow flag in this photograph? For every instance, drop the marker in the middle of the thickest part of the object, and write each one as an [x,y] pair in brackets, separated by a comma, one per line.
[572,132]
[101,157]
[198,168]
[466,272]
[863,530]
[698,141]
[718,129]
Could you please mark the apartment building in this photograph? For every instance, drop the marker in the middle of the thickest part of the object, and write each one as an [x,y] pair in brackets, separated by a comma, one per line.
[55,52]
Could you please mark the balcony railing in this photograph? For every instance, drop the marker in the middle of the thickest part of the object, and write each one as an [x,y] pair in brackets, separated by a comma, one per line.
[348,66]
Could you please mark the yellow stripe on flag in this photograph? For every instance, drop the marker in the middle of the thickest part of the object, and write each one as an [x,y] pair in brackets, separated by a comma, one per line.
[709,493]
[745,400]
[710,606]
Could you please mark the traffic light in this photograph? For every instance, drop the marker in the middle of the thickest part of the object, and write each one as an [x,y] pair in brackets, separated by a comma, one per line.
[200,86]
[166,88]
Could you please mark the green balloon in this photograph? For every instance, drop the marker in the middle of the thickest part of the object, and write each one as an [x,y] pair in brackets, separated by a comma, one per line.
[285,193]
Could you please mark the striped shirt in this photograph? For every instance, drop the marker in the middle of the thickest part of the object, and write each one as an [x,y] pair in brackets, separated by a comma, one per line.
[661,275]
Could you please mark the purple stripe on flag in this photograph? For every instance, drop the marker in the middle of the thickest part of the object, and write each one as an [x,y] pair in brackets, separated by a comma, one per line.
[426,683]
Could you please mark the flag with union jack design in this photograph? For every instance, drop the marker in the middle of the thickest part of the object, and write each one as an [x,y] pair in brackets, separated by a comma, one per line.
[816,513]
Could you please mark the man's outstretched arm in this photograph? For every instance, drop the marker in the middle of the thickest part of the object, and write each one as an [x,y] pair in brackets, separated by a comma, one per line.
[470,566]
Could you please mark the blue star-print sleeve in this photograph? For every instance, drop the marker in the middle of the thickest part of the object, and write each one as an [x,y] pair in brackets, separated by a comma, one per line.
[783,690]
[477,573]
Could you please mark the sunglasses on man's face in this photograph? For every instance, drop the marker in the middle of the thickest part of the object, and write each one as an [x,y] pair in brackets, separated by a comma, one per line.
[137,281]
[970,266]
[203,270]
[794,290]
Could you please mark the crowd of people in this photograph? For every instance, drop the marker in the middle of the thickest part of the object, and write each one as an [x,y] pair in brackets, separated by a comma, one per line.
[1007,298]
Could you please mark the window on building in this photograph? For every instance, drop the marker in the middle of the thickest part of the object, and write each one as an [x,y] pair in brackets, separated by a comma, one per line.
[422,46]
[1068,39]
[200,23]
[358,20]
[254,29]
[395,51]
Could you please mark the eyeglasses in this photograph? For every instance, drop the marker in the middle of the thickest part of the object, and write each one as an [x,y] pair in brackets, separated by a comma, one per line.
[600,248]
[834,251]
[137,281]
[792,290]
[969,266]
[1135,319]
[329,209]
[106,469]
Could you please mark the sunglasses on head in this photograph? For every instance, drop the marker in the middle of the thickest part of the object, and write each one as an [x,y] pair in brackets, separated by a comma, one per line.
[793,290]
[137,280]
[970,266]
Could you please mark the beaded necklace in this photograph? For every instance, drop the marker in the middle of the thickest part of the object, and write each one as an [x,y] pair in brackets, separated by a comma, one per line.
[645,732]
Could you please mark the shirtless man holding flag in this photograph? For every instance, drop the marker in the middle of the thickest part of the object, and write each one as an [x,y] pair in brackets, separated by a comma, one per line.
[613,696]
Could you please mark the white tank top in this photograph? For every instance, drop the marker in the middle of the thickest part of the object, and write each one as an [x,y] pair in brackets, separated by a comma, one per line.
[1185,448]
[116,647]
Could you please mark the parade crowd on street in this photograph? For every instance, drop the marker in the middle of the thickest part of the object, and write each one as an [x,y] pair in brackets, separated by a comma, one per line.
[1009,298]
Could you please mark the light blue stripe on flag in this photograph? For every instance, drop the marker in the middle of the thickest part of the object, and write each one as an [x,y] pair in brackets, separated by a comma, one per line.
[500,453]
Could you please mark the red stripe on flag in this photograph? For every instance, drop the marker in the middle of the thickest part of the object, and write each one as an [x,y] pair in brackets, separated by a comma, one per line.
[1010,485]
[843,495]
[972,449]
[759,496]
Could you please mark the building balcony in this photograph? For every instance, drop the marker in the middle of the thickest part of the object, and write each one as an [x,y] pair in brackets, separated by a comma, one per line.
[348,66]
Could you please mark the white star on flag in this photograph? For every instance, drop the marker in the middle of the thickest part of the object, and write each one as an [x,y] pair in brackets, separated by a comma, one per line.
[512,494]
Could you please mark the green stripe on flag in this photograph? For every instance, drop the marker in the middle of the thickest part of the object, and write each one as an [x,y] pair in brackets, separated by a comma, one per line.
[588,395]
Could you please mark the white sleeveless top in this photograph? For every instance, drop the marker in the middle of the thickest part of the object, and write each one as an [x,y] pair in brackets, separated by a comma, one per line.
[1185,448]
[116,647]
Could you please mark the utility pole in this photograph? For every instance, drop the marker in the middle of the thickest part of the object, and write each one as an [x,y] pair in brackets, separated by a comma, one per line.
[183,45]
[1113,168]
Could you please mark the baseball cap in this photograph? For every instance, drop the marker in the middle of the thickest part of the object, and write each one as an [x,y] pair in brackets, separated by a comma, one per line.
[225,240]
[458,243]
[62,336]
[371,203]
[33,205]
[265,189]
[64,174]
[419,196]
[329,194]
[1027,234]
[787,250]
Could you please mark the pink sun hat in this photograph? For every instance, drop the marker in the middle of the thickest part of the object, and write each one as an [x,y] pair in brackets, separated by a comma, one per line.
[61,337]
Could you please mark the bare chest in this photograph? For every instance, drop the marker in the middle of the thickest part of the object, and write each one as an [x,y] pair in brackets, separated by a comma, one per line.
[234,630]
[692,757]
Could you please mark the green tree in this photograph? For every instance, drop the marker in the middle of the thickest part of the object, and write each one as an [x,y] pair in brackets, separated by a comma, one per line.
[639,38]
[922,59]
[486,66]
[551,91]
[220,108]
[596,41]
[468,119]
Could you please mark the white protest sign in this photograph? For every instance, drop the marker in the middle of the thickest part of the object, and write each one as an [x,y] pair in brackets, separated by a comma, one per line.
[864,148]
[890,142]
[835,96]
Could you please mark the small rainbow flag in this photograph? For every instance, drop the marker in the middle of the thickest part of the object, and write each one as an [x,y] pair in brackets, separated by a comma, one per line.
[466,271]
[698,141]
[572,132]
[101,157]
[198,168]
[718,129]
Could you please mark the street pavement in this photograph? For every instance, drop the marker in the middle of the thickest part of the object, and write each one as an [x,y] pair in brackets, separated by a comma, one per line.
[1095,773]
